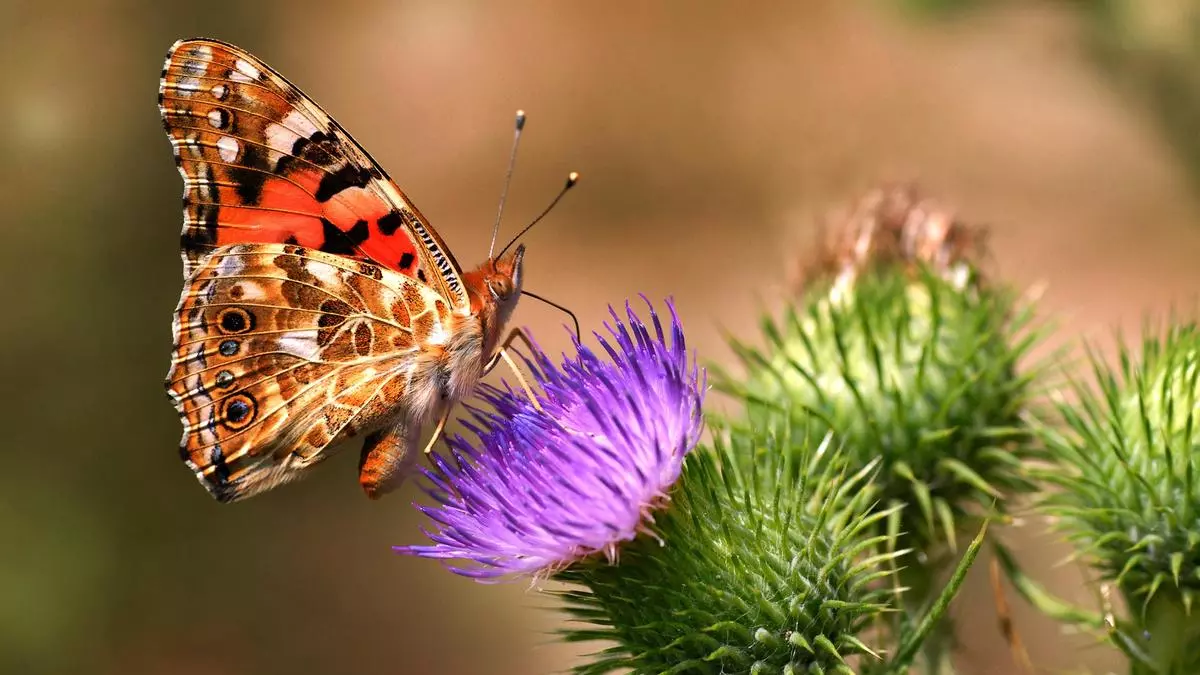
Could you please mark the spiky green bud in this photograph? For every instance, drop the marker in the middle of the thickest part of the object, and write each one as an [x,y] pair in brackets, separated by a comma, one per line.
[1126,462]
[916,372]
[757,568]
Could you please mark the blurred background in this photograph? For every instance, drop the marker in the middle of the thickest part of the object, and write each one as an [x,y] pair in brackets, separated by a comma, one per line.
[709,138]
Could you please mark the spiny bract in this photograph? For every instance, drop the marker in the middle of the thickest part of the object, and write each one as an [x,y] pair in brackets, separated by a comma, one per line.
[1127,463]
[759,569]
[920,373]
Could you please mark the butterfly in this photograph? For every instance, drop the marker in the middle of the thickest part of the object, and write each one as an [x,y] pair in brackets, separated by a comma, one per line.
[318,303]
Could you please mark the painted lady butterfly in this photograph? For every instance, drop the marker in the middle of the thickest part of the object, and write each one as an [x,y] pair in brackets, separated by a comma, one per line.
[319,304]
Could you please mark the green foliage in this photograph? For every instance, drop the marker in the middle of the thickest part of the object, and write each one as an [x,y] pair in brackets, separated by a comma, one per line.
[1126,460]
[939,7]
[759,567]
[920,374]
[1151,50]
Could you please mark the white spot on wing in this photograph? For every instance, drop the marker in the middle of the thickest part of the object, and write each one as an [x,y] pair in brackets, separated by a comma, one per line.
[200,52]
[219,92]
[228,148]
[328,274]
[244,72]
[297,121]
[188,86]
[280,137]
[252,292]
[190,145]
[300,343]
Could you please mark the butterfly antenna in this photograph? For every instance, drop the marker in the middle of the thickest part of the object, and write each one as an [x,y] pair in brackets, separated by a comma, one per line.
[575,319]
[512,163]
[572,179]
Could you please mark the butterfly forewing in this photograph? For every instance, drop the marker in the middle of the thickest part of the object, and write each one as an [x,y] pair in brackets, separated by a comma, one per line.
[261,162]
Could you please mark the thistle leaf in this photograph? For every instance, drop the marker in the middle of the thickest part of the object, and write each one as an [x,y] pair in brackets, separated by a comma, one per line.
[911,642]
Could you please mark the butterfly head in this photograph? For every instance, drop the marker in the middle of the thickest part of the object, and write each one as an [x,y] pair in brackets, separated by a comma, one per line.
[495,288]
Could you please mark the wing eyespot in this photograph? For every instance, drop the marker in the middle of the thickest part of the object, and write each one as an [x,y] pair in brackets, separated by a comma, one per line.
[225,379]
[238,411]
[234,321]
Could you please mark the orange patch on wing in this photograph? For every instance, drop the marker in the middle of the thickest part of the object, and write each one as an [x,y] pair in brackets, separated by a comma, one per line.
[354,204]
[287,210]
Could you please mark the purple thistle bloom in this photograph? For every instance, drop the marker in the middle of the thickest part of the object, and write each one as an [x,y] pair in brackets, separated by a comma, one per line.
[540,489]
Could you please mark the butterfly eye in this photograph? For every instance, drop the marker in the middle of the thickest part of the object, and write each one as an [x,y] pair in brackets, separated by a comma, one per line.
[500,289]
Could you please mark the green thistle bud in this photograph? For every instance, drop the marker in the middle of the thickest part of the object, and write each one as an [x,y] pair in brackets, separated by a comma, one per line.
[900,347]
[757,568]
[919,374]
[1127,461]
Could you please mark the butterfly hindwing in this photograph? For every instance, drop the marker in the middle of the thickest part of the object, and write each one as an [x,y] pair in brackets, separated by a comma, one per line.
[262,163]
[281,351]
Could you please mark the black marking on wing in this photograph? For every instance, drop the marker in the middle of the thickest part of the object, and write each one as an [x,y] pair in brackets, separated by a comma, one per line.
[344,178]
[388,224]
[343,242]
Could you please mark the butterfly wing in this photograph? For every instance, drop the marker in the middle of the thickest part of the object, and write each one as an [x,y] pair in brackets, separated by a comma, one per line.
[281,351]
[262,163]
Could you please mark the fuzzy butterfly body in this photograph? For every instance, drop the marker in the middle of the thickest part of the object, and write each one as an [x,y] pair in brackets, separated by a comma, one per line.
[319,304]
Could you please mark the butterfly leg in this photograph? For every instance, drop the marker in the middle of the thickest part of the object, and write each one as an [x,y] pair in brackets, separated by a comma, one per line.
[388,457]
[437,431]
[502,353]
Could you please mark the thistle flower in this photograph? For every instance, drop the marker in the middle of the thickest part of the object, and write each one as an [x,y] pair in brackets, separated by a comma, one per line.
[539,489]
[1127,462]
[754,568]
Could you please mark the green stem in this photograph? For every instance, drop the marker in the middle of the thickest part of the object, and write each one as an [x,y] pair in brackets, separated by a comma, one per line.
[1171,637]
[924,583]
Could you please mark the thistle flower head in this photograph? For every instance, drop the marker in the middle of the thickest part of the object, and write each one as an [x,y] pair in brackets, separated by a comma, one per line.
[539,489]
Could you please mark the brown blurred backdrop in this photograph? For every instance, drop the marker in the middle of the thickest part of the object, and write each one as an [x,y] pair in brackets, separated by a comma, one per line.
[708,138]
